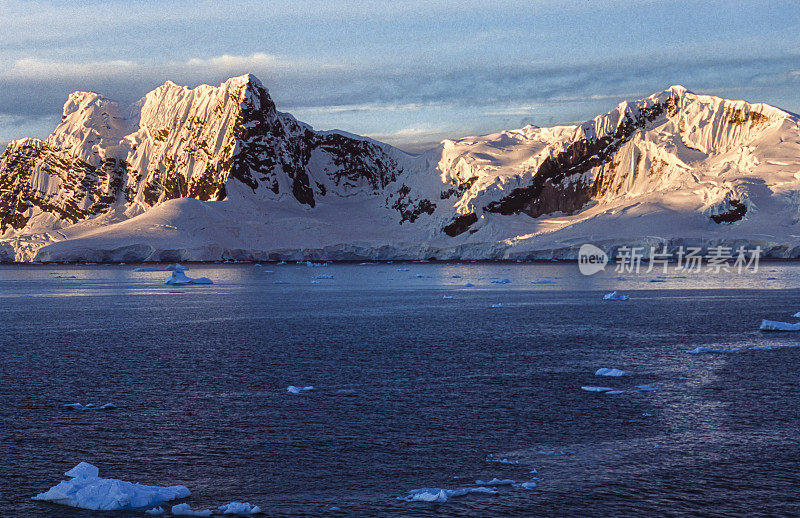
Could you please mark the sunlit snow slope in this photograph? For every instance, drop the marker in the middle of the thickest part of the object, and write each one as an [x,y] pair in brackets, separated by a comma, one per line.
[217,172]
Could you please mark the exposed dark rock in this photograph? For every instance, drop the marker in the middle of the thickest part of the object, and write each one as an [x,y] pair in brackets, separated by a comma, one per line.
[460,224]
[735,213]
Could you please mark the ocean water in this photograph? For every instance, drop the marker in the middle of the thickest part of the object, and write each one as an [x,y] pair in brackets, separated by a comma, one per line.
[412,390]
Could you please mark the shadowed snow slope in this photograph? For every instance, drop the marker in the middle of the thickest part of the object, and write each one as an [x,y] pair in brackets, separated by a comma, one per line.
[217,172]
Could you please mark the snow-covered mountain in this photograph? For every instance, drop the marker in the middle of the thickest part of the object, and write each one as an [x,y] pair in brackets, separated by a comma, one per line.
[217,172]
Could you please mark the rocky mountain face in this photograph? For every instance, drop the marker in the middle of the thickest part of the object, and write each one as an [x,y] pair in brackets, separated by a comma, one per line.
[176,143]
[726,169]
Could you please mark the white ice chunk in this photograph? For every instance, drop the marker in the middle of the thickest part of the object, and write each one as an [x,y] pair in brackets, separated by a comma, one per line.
[773,325]
[75,406]
[614,296]
[796,315]
[108,406]
[403,269]
[87,490]
[614,392]
[590,388]
[435,494]
[496,482]
[447,297]
[469,285]
[291,389]
[525,485]
[498,305]
[701,350]
[610,372]
[185,510]
[155,511]
[83,470]
[324,276]
[240,508]
[178,277]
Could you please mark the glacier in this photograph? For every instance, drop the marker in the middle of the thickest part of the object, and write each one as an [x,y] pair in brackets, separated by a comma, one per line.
[217,173]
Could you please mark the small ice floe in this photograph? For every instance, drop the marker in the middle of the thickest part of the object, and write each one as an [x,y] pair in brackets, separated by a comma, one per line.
[703,350]
[647,414]
[796,315]
[87,490]
[155,511]
[543,281]
[435,494]
[525,485]
[498,305]
[334,509]
[240,508]
[447,297]
[404,269]
[324,276]
[614,392]
[496,482]
[316,282]
[590,388]
[421,276]
[610,372]
[773,325]
[185,510]
[291,389]
[615,296]
[89,406]
[469,285]
[455,276]
[180,278]
[646,388]
[315,265]
[501,281]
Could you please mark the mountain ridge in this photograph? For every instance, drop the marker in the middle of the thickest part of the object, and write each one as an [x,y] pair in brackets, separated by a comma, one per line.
[520,193]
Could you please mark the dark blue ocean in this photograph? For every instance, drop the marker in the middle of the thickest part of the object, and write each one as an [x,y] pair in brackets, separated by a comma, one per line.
[412,389]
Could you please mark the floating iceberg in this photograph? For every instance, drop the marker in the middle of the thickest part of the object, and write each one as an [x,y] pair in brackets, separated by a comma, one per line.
[469,285]
[501,281]
[525,485]
[796,315]
[614,296]
[447,297]
[186,510]
[496,482]
[773,325]
[240,508]
[89,406]
[610,372]
[87,490]
[435,494]
[614,392]
[590,388]
[291,389]
[498,305]
[313,265]
[180,278]
[155,511]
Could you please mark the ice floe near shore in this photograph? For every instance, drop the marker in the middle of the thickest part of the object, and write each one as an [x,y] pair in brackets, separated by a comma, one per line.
[87,490]
[710,350]
[186,510]
[774,325]
[90,406]
[615,296]
[291,389]
[610,372]
[178,277]
[240,508]
[589,388]
[435,494]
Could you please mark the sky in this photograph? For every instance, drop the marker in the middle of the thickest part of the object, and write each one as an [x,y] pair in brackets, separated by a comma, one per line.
[406,72]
